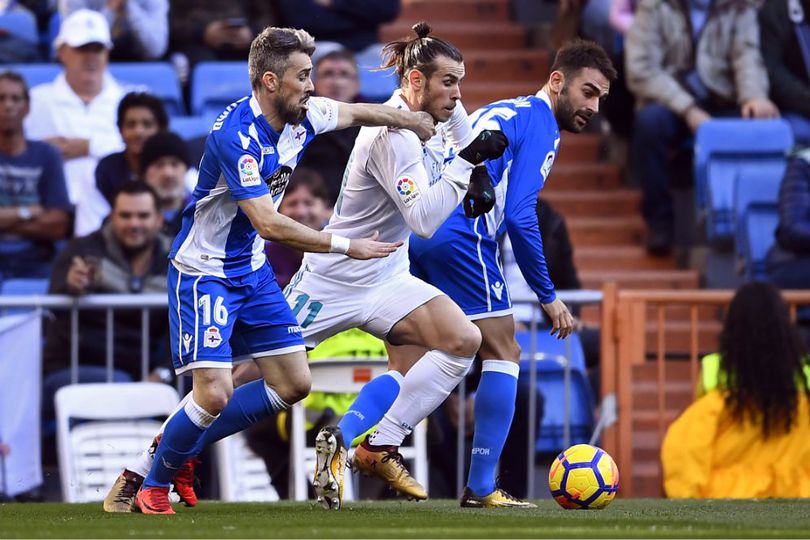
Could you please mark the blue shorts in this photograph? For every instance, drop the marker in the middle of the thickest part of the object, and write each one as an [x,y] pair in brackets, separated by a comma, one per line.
[463,261]
[215,321]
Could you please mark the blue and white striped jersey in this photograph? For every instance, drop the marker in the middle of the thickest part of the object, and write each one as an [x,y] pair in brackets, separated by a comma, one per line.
[518,176]
[244,158]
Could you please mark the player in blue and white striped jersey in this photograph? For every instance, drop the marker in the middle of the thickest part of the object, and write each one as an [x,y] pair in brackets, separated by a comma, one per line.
[224,302]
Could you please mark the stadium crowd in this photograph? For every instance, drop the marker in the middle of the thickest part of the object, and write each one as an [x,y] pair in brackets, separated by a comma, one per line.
[93,180]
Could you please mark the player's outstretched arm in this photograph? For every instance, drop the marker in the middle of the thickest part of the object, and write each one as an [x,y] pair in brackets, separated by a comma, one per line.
[370,114]
[279,228]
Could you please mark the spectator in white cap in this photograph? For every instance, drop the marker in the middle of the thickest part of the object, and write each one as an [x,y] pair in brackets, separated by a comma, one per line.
[77,111]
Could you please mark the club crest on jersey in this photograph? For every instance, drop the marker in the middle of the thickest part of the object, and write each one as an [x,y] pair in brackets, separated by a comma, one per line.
[277,182]
[249,171]
[212,338]
[547,163]
[408,190]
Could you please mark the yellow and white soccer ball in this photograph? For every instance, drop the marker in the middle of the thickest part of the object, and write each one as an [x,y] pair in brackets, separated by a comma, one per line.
[583,477]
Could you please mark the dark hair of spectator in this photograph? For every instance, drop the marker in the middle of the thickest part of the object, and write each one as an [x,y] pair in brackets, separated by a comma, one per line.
[580,54]
[418,53]
[137,187]
[147,101]
[271,50]
[311,180]
[763,358]
[340,54]
[13,76]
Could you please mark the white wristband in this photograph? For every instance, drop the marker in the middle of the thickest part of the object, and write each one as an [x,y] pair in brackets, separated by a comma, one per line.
[339,244]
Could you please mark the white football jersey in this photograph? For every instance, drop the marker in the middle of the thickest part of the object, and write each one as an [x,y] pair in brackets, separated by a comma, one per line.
[395,185]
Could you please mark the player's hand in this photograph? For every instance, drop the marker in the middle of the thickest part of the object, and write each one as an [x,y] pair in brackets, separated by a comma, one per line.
[489,144]
[562,322]
[759,108]
[370,248]
[480,197]
[423,125]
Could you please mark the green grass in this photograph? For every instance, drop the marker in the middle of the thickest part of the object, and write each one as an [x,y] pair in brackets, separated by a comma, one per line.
[434,519]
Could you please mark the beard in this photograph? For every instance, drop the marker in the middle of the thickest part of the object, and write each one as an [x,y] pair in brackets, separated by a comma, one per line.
[566,115]
[291,113]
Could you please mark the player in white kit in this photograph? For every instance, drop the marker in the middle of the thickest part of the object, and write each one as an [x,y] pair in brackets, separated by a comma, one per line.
[395,185]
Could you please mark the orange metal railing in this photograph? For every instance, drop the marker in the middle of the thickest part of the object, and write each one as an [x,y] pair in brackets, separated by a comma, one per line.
[651,343]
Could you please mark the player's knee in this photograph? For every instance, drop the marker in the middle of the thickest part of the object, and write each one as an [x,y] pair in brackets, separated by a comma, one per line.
[213,400]
[295,389]
[465,341]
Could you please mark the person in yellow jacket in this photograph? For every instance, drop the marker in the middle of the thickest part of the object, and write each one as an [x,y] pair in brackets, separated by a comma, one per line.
[748,436]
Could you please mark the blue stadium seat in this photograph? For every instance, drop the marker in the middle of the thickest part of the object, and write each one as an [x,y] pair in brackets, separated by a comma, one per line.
[35,74]
[549,345]
[722,149]
[23,286]
[761,221]
[550,369]
[375,85]
[190,127]
[20,24]
[215,85]
[754,185]
[158,78]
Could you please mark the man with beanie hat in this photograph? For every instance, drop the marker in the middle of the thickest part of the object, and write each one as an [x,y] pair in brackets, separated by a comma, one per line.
[164,164]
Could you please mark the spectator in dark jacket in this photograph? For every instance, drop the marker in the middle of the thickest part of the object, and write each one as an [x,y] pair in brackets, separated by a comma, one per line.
[788,74]
[125,256]
[789,258]
[352,23]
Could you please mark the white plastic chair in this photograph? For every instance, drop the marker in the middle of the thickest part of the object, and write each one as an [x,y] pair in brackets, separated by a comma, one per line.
[242,474]
[92,454]
[346,375]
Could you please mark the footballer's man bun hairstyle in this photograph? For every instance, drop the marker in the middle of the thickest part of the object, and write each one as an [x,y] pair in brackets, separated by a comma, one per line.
[580,54]
[271,50]
[418,52]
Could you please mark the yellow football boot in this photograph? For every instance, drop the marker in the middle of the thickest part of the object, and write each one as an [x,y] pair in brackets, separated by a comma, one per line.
[497,499]
[386,462]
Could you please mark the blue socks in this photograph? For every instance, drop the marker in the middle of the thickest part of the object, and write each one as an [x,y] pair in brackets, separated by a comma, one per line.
[188,431]
[249,403]
[494,409]
[180,436]
[370,406]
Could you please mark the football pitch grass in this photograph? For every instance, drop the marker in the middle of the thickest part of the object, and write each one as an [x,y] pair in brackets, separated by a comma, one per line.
[637,518]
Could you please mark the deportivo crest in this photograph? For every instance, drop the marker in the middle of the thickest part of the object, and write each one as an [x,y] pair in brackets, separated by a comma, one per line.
[408,190]
[277,182]
[212,338]
[249,171]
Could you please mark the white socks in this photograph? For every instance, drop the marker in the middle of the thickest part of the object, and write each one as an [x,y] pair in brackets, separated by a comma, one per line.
[424,387]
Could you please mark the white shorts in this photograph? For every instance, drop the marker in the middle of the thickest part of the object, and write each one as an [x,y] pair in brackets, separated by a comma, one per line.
[325,307]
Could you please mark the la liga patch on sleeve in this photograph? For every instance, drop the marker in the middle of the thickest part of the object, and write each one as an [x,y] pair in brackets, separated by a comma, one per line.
[249,171]
[408,190]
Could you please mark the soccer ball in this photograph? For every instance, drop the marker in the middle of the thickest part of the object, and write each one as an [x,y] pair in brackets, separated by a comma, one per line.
[583,477]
